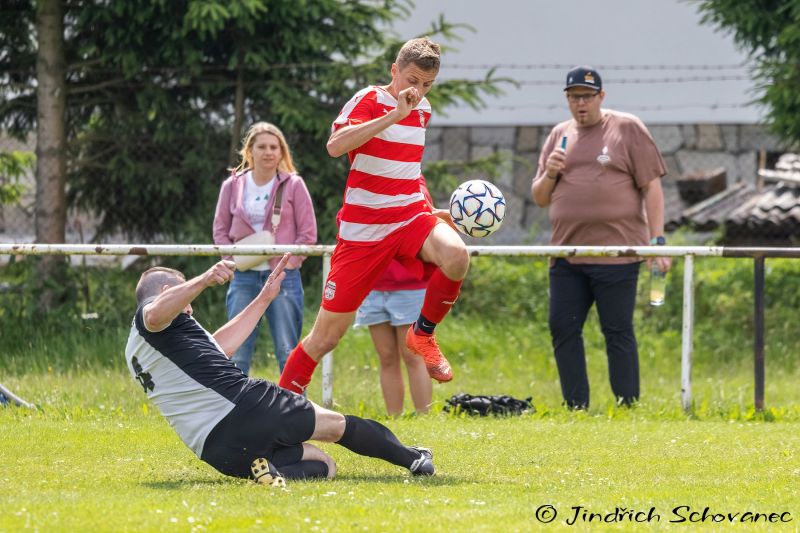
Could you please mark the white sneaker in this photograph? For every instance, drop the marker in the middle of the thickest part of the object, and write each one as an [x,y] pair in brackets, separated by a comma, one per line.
[424,465]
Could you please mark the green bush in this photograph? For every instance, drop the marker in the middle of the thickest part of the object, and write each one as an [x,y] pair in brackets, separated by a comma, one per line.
[516,289]
[507,294]
[506,287]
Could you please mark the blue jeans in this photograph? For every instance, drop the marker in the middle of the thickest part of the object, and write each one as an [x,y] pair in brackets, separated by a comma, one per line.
[284,314]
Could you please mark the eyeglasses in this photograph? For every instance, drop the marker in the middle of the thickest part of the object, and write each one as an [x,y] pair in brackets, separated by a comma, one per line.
[575,98]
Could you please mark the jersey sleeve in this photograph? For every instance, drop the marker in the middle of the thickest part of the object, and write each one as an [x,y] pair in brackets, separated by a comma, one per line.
[359,109]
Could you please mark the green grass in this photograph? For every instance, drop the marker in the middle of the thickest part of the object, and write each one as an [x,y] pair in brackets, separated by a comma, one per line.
[97,456]
[509,357]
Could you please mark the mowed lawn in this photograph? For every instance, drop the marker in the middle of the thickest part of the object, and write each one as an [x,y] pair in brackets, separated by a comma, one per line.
[97,456]
[108,468]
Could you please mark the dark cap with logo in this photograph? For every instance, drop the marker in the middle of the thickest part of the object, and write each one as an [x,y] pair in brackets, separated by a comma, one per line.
[584,77]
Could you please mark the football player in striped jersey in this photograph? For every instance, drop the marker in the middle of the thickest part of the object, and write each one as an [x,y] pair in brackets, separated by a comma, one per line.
[385,216]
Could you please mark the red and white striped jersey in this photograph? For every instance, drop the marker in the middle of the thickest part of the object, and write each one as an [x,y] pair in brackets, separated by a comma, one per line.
[383,192]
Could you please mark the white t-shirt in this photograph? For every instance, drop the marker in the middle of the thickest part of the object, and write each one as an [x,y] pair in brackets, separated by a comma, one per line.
[255,201]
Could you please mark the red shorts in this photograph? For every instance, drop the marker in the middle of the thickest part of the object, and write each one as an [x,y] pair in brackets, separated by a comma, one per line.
[356,267]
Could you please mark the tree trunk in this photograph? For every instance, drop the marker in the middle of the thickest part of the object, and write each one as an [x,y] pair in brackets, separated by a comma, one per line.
[51,168]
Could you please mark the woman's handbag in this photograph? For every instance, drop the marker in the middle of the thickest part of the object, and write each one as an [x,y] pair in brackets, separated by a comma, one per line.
[263,237]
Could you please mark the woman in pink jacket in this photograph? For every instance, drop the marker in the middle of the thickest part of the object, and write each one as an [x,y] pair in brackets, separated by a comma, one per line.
[245,206]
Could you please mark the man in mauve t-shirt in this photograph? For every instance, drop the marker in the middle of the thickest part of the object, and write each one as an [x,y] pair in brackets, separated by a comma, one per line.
[600,173]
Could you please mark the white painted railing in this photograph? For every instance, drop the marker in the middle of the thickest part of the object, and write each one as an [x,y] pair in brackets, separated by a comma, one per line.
[688,252]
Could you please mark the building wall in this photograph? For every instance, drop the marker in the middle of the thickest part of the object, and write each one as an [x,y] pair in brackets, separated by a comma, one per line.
[656,58]
[685,148]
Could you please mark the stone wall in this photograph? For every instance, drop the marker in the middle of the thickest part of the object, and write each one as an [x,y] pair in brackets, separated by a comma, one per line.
[685,148]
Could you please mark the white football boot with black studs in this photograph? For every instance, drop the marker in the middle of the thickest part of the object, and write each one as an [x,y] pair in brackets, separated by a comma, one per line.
[424,465]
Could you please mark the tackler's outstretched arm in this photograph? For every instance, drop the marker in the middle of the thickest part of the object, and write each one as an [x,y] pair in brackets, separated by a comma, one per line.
[174,300]
[235,332]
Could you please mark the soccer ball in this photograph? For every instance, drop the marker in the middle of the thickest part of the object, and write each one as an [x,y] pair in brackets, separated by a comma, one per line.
[477,208]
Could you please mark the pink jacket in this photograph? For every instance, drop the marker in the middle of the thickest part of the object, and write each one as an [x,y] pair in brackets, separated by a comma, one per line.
[298,223]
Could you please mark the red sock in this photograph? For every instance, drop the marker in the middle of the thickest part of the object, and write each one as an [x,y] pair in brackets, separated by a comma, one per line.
[298,370]
[440,296]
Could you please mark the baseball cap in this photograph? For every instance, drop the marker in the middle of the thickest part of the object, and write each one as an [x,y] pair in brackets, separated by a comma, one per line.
[584,77]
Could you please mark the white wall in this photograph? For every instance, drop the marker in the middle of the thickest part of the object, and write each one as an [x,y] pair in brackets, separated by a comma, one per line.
[610,35]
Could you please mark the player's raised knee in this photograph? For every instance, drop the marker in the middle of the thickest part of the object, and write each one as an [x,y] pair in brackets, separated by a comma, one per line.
[455,261]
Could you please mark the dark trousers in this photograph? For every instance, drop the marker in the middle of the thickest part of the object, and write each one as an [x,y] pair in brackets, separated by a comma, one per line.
[573,290]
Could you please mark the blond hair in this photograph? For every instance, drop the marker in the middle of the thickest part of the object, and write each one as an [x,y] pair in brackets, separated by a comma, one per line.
[286,163]
[423,52]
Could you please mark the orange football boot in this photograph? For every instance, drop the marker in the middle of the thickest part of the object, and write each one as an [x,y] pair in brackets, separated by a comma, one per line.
[426,347]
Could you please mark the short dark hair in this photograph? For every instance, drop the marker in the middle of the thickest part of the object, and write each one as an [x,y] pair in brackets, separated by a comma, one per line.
[153,279]
[423,52]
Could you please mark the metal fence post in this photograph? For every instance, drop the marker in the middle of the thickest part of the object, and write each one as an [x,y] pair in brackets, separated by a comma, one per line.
[688,330]
[327,359]
[758,344]
[13,398]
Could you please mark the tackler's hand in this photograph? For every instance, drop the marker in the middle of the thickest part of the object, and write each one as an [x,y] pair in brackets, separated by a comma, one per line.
[220,273]
[273,285]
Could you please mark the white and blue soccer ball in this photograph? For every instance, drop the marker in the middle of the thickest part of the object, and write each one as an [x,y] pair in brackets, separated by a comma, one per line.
[477,208]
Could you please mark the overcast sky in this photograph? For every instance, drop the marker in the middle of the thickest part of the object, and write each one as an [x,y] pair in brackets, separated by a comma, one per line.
[706,83]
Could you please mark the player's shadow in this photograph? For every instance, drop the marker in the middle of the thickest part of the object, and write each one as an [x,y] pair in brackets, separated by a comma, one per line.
[183,484]
[437,480]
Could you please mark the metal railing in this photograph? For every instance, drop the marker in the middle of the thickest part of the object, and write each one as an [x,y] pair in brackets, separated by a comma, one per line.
[687,252]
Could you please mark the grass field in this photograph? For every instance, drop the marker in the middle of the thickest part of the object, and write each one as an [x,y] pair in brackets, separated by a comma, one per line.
[97,456]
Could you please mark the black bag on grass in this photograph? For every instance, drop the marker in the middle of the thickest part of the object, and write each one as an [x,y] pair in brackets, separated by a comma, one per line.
[485,405]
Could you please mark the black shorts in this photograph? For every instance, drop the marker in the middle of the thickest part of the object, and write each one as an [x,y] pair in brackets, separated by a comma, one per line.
[268,422]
